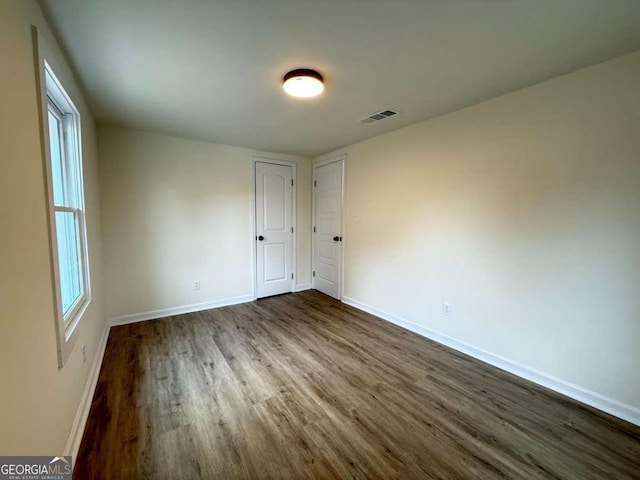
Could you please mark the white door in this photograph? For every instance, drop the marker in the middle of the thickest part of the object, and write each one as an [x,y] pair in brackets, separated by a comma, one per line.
[327,231]
[274,229]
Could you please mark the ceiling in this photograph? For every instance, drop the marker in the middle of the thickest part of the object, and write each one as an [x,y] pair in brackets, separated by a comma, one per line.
[211,70]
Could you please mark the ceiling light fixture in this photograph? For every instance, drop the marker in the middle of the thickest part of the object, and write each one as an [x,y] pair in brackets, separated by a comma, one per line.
[303,83]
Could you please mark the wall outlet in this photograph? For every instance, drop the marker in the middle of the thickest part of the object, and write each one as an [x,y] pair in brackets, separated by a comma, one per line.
[446,309]
[196,285]
[84,354]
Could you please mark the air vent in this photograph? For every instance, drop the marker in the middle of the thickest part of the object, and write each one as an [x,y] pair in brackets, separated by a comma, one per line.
[381,115]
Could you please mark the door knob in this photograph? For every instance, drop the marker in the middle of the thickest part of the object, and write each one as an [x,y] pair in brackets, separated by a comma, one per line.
[261,238]
[335,239]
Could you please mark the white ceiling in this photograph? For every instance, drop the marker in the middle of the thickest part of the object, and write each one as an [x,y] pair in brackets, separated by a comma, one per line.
[211,70]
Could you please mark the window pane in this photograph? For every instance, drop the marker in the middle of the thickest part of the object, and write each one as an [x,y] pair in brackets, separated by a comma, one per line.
[57,175]
[68,258]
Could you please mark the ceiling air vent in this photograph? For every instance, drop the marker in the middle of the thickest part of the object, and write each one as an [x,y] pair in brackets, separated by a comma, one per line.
[381,115]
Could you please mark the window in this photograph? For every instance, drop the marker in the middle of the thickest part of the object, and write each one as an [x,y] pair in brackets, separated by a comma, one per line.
[66,204]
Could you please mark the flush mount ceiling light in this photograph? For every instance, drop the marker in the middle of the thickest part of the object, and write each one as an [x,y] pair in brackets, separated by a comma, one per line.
[303,83]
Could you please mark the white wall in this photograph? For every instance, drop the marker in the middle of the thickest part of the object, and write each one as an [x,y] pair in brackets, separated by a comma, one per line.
[177,210]
[38,402]
[524,213]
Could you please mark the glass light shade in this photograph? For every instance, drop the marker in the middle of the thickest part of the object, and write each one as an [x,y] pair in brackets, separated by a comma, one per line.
[303,83]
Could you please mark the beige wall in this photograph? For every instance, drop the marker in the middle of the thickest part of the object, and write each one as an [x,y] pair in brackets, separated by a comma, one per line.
[38,402]
[524,213]
[175,211]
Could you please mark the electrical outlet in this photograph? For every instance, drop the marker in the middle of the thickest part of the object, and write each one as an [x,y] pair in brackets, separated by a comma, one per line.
[84,354]
[196,285]
[446,309]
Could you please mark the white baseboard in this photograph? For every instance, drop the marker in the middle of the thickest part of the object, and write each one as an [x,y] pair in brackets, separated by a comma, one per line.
[168,312]
[303,286]
[82,414]
[576,392]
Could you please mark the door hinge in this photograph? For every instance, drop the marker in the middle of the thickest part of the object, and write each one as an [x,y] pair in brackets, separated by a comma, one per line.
[314,229]
[315,184]
[314,273]
[291,229]
[292,276]
[292,182]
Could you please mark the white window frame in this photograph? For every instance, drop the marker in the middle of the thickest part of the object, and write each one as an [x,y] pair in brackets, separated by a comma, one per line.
[55,97]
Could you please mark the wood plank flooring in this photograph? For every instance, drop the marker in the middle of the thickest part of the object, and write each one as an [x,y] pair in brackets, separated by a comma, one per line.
[301,386]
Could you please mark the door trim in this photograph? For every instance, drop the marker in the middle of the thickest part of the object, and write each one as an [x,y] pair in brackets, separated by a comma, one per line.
[254,245]
[315,165]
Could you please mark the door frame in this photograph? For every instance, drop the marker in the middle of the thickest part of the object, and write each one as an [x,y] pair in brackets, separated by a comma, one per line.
[315,165]
[254,243]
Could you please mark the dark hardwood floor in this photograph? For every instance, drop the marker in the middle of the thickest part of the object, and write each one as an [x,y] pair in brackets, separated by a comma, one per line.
[301,386]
